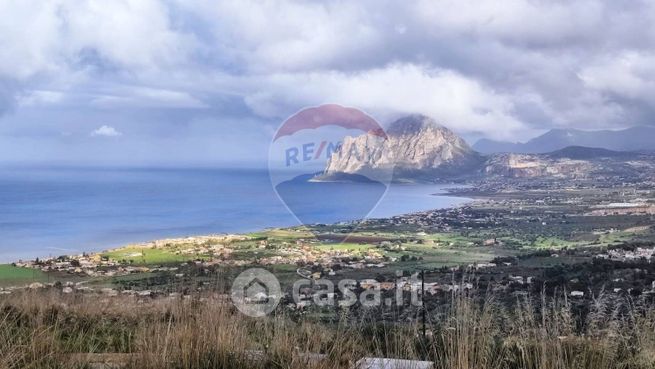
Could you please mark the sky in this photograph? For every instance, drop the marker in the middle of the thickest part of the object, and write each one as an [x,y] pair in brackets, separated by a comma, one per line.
[206,82]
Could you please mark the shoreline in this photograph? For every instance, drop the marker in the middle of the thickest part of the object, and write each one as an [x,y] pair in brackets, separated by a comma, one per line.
[445,192]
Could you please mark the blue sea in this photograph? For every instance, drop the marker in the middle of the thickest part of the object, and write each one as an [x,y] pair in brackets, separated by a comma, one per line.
[68,210]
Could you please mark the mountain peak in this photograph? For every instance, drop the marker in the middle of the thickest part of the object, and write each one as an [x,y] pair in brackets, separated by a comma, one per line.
[412,124]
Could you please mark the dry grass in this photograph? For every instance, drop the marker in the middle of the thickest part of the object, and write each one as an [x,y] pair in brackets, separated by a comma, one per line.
[49,330]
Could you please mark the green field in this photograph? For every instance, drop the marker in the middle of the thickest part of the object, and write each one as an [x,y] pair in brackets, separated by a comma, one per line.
[283,234]
[451,239]
[143,256]
[12,274]
[634,234]
[437,257]
[345,246]
[553,243]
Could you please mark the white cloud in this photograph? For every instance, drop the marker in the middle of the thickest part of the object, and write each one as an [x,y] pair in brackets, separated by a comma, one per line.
[628,74]
[147,97]
[515,21]
[61,35]
[106,131]
[40,98]
[502,69]
[288,35]
[459,102]
[493,56]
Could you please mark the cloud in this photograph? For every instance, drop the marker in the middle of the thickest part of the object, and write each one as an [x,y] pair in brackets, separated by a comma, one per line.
[456,101]
[69,35]
[84,48]
[628,74]
[106,131]
[505,70]
[40,98]
[530,54]
[148,97]
[526,23]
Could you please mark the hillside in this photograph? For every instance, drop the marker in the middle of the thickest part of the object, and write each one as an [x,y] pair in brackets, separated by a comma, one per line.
[571,163]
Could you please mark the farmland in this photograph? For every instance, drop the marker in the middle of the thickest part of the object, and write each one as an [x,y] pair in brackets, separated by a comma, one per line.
[13,275]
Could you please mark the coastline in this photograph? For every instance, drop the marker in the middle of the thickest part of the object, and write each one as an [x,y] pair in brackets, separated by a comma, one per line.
[94,251]
[59,211]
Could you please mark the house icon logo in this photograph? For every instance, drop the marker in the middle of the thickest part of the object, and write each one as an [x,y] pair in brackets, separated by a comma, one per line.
[256,292]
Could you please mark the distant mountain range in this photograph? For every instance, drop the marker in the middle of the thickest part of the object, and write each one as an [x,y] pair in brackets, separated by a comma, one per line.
[631,139]
[417,149]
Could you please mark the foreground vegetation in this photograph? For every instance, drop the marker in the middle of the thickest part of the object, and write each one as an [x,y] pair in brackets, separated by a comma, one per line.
[47,330]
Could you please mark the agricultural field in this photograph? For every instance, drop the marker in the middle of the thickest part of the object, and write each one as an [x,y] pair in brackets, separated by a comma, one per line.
[553,243]
[418,257]
[347,246]
[644,234]
[11,275]
[147,256]
[283,234]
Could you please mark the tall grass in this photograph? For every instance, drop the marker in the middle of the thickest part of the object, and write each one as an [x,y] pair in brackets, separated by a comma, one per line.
[50,330]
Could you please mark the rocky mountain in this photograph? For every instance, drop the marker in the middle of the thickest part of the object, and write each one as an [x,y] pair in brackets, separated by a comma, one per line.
[631,139]
[416,149]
